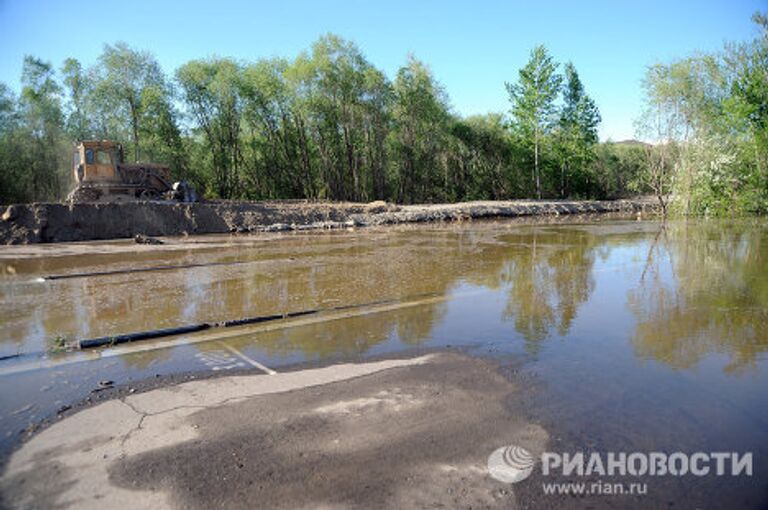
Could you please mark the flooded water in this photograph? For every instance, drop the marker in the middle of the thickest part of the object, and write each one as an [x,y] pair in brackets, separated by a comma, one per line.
[624,335]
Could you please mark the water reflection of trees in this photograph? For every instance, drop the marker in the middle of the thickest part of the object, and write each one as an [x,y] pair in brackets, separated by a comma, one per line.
[549,277]
[545,271]
[349,336]
[547,274]
[702,288]
[704,291]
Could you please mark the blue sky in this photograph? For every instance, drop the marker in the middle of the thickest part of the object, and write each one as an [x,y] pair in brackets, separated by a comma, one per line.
[473,47]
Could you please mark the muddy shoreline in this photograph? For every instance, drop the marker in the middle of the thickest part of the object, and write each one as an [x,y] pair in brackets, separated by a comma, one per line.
[56,222]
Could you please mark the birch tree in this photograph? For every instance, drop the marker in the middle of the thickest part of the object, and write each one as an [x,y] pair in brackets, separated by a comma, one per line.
[533,103]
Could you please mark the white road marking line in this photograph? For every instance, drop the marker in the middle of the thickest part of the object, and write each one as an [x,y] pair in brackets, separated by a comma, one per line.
[247,359]
[125,349]
[219,360]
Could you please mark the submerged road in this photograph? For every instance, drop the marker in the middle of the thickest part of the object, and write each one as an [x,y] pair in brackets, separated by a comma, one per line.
[395,361]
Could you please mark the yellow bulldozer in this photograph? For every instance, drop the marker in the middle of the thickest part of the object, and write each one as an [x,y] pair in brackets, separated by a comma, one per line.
[101,175]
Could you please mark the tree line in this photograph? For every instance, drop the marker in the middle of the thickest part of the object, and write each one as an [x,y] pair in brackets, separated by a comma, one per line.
[708,114]
[328,124]
[325,125]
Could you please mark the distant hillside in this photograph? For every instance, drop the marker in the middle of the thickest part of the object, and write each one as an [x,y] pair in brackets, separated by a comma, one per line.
[632,142]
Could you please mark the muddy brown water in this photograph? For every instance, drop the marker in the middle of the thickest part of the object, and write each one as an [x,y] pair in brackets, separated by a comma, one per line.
[623,335]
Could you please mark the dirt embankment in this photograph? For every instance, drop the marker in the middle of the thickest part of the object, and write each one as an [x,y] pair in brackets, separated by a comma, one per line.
[48,223]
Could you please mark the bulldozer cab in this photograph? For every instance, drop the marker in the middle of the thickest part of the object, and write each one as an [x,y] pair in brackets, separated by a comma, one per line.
[101,174]
[97,161]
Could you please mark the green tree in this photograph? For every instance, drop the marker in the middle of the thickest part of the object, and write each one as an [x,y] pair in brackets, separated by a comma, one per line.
[346,100]
[533,103]
[79,90]
[483,159]
[160,133]
[273,146]
[8,114]
[42,120]
[579,118]
[662,122]
[706,114]
[749,90]
[124,76]
[421,122]
[618,169]
[211,90]
[15,176]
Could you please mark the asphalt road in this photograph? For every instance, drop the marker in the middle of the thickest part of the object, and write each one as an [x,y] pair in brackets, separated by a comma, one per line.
[403,433]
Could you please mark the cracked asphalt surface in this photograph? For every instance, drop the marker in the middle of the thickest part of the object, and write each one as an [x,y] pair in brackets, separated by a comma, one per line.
[399,433]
